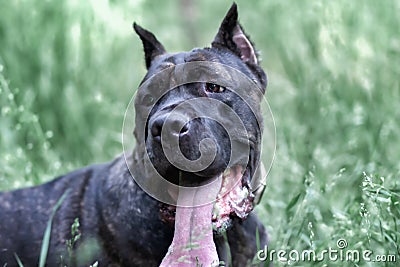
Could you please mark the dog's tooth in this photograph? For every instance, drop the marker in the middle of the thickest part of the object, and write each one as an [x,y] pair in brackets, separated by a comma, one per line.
[227,172]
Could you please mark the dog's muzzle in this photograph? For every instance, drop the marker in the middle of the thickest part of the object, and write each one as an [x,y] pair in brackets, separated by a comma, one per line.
[176,127]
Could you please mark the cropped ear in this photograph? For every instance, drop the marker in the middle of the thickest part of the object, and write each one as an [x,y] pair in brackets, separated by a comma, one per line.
[152,47]
[230,35]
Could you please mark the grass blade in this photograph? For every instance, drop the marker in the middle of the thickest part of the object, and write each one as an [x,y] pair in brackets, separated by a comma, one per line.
[18,260]
[46,237]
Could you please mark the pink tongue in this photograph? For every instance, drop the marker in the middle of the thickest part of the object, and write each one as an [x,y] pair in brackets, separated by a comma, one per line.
[193,243]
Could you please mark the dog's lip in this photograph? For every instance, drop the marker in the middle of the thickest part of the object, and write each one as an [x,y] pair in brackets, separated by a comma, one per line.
[234,198]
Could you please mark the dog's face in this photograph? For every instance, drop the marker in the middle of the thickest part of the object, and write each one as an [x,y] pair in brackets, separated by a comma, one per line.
[204,108]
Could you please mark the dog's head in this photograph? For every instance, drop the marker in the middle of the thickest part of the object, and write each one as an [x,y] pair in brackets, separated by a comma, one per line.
[198,115]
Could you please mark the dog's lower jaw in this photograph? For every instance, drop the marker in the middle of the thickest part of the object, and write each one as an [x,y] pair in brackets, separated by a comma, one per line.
[193,244]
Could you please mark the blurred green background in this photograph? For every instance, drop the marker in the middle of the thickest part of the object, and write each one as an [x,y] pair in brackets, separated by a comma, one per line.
[69,68]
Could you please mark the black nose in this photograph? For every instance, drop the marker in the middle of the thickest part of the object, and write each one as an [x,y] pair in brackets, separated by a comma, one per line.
[174,126]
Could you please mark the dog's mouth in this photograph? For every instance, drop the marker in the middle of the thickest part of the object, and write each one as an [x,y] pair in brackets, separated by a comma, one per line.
[234,199]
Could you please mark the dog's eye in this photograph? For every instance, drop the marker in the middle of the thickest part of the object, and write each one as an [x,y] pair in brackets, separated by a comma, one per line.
[214,88]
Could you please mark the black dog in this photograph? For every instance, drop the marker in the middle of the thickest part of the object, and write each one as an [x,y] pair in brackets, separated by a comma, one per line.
[120,224]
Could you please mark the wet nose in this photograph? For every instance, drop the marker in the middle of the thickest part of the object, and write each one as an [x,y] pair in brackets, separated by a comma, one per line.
[176,125]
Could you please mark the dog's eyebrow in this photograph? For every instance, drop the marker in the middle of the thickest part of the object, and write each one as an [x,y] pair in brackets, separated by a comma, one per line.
[166,64]
[174,58]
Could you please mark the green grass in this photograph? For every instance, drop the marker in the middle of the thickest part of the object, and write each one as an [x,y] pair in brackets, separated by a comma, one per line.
[68,70]
[46,237]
